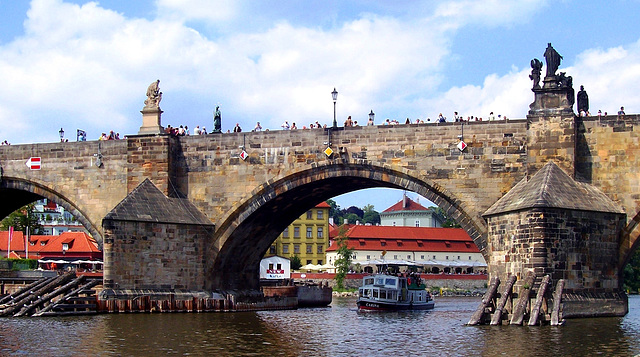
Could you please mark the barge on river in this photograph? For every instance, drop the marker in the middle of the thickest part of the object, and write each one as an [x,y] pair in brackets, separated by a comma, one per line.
[388,292]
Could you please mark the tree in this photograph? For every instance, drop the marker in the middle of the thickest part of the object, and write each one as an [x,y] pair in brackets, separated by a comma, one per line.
[295,262]
[351,218]
[370,216]
[22,218]
[631,273]
[334,212]
[344,257]
[447,222]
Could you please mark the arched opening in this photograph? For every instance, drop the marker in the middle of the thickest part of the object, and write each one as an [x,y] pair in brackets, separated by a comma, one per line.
[249,230]
[15,193]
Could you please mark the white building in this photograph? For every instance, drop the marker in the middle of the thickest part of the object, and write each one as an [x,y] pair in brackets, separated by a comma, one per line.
[408,213]
[275,268]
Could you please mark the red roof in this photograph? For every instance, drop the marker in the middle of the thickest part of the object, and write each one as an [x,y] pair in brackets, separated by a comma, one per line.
[392,238]
[323,205]
[17,241]
[80,245]
[406,204]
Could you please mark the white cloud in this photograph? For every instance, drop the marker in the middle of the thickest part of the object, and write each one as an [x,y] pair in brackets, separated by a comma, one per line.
[209,10]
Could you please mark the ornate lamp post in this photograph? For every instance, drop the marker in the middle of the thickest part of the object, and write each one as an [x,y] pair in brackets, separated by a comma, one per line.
[334,94]
[61,132]
[372,115]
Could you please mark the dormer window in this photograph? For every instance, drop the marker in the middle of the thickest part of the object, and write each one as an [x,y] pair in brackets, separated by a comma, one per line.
[65,246]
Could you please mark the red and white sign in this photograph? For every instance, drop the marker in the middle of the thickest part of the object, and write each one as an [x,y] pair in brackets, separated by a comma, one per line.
[244,155]
[34,163]
[462,145]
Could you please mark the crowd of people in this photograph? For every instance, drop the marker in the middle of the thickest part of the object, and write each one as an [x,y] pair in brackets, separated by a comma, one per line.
[111,136]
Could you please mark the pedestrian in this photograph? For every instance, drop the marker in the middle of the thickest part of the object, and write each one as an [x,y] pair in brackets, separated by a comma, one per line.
[285,125]
[237,128]
[196,131]
[293,126]
[203,131]
[258,127]
[621,111]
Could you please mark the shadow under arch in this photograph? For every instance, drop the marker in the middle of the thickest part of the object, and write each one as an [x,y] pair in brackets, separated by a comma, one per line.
[255,223]
[15,193]
[629,242]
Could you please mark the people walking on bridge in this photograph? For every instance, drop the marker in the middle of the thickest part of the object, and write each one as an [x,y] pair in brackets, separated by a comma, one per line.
[285,125]
[237,128]
[258,127]
[621,111]
[293,126]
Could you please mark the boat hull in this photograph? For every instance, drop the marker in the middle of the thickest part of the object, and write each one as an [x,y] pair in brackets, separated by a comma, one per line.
[375,305]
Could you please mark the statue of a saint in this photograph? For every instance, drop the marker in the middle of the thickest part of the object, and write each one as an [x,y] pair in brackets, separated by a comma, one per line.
[217,120]
[154,96]
[553,59]
[583,101]
[536,69]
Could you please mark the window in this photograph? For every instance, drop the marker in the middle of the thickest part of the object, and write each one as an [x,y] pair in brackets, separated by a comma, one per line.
[309,248]
[408,257]
[285,233]
[368,257]
[434,257]
[320,214]
[320,232]
[296,249]
[469,257]
[458,257]
[65,246]
[395,257]
[296,232]
[320,248]
[447,257]
[308,261]
[422,257]
[394,223]
[270,266]
[285,249]
[319,261]
[272,249]
[309,214]
[417,223]
[309,232]
[279,266]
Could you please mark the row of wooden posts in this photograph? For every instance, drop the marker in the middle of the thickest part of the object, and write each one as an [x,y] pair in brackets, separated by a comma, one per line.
[496,312]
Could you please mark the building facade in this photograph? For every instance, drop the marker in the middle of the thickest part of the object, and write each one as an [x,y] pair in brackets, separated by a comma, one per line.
[433,250]
[307,237]
[409,213]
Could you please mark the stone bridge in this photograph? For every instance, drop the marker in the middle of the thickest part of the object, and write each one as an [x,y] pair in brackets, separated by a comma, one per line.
[237,205]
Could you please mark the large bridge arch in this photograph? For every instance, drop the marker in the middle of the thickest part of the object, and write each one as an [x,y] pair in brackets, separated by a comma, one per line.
[253,224]
[16,192]
[629,241]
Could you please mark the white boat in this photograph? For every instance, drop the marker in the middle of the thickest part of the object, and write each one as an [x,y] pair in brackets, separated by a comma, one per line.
[388,292]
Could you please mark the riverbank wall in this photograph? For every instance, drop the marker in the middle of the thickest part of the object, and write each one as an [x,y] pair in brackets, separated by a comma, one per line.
[457,282]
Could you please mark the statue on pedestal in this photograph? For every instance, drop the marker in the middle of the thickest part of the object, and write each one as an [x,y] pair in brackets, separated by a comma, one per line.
[154,96]
[217,120]
[536,70]
[553,59]
[583,101]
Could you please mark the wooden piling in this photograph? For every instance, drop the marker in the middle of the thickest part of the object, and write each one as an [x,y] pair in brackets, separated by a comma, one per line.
[26,310]
[486,300]
[62,279]
[523,300]
[557,302]
[535,311]
[496,319]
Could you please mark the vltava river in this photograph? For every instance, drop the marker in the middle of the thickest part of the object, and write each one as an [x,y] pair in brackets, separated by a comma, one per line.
[338,330]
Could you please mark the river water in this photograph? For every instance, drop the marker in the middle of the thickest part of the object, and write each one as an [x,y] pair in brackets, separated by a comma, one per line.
[338,330]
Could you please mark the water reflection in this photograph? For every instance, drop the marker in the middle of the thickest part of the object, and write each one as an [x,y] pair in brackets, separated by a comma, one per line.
[339,330]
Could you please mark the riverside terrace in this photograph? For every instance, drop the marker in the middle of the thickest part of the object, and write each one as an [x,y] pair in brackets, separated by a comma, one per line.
[552,194]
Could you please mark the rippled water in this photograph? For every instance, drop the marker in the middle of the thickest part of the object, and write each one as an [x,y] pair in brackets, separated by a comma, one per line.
[338,330]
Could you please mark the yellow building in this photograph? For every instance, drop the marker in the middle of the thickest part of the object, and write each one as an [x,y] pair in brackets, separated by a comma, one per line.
[307,237]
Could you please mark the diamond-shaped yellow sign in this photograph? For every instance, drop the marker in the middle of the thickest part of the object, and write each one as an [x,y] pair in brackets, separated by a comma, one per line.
[328,151]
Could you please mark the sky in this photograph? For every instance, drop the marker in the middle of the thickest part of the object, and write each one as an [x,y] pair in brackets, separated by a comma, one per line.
[86,65]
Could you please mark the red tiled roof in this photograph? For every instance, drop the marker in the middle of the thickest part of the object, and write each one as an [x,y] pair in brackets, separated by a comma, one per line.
[17,241]
[408,239]
[406,204]
[81,243]
[323,205]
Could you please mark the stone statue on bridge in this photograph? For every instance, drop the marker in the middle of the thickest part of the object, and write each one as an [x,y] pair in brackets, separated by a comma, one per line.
[217,120]
[583,101]
[154,96]
[553,59]
[536,70]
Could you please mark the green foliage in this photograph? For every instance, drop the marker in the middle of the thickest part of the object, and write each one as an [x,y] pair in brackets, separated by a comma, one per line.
[344,257]
[447,222]
[295,262]
[22,218]
[631,273]
[334,212]
[22,264]
[351,218]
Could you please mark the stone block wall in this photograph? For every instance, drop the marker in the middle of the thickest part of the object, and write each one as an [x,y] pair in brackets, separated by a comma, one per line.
[155,255]
[578,246]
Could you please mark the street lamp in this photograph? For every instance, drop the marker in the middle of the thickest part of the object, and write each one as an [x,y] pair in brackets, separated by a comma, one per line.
[61,132]
[334,94]
[372,115]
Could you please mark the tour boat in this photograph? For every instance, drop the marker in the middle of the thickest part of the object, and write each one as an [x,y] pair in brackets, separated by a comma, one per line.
[388,292]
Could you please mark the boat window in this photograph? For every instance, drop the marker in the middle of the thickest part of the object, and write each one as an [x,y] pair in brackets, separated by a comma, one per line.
[380,281]
[390,281]
[383,294]
[368,281]
[375,293]
[361,292]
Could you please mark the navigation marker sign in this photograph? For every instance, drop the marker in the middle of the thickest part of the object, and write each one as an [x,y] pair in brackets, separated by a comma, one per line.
[34,163]
[462,145]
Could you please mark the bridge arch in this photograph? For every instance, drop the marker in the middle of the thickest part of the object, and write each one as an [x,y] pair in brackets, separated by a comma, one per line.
[629,241]
[16,192]
[253,224]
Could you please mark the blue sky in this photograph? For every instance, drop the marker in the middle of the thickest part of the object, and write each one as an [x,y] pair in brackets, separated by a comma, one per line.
[86,65]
